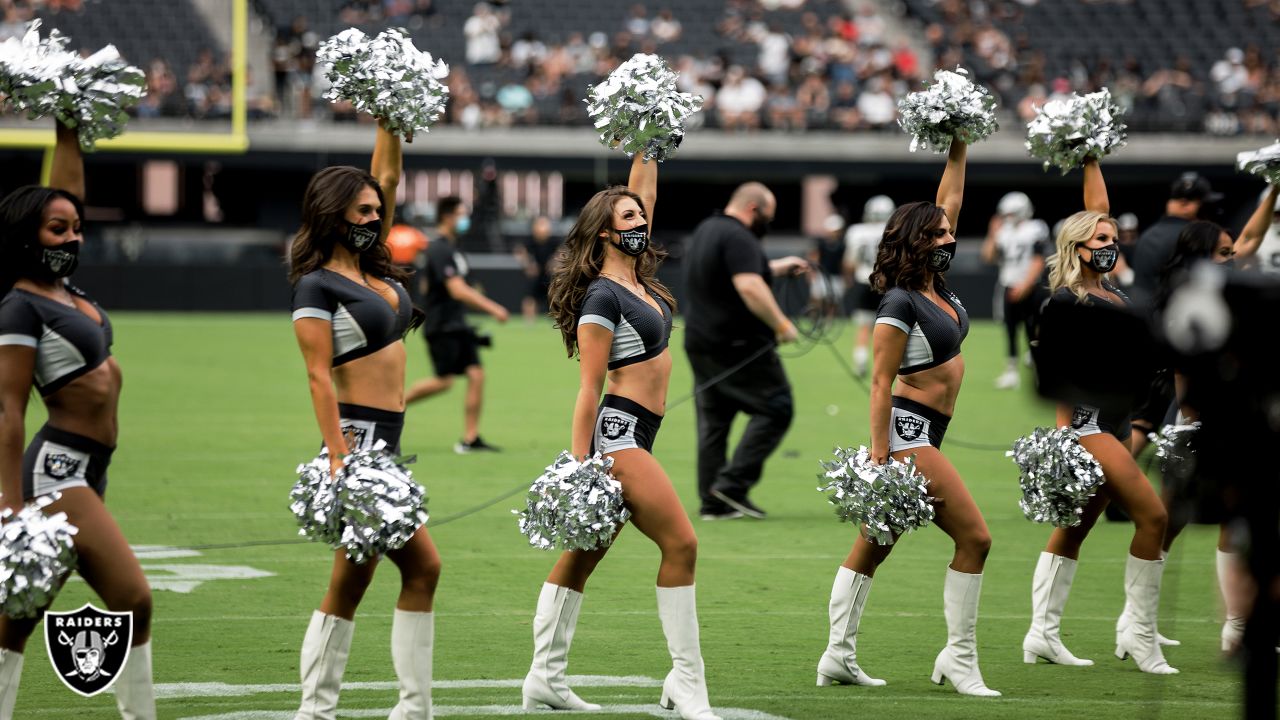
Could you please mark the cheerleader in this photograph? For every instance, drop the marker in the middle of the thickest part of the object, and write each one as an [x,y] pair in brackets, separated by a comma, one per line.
[57,340]
[615,316]
[919,327]
[350,314]
[1086,252]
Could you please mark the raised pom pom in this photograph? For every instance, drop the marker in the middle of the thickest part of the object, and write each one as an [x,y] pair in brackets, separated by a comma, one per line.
[639,109]
[951,107]
[1066,133]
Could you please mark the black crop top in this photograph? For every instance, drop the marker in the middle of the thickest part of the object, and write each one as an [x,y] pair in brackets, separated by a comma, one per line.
[639,331]
[363,321]
[932,336]
[1065,295]
[67,342]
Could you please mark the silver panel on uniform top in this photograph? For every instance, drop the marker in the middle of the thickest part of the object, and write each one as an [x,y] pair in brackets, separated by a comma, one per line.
[626,342]
[347,335]
[56,357]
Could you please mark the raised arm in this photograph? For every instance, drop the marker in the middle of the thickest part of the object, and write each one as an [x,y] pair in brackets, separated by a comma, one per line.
[1259,223]
[1095,188]
[67,172]
[951,189]
[386,167]
[643,181]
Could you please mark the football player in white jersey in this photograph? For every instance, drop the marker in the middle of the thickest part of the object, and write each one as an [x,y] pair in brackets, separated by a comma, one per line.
[861,242]
[1013,241]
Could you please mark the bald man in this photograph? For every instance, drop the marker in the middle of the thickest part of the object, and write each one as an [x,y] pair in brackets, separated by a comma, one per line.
[730,317]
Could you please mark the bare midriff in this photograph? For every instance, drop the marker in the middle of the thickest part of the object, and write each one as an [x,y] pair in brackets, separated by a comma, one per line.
[643,382]
[375,380]
[938,387]
[87,405]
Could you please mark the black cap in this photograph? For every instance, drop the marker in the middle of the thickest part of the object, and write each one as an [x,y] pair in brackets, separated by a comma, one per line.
[1192,186]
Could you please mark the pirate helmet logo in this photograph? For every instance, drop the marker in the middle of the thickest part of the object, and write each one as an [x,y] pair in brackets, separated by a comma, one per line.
[1081,416]
[60,465]
[88,647]
[909,426]
[58,260]
[355,435]
[362,237]
[614,426]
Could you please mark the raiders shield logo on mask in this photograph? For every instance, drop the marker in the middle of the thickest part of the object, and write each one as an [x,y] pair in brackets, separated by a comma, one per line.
[614,426]
[88,647]
[362,238]
[909,426]
[60,465]
[1081,416]
[58,260]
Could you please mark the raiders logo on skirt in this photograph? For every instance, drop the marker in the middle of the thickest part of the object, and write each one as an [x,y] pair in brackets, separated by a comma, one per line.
[88,647]
[623,424]
[915,425]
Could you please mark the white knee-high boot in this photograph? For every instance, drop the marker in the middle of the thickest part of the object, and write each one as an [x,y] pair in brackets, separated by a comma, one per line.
[685,688]
[1126,616]
[412,637]
[10,676]
[1233,628]
[1049,590]
[958,661]
[839,664]
[324,658]
[1142,591]
[135,696]
[553,626]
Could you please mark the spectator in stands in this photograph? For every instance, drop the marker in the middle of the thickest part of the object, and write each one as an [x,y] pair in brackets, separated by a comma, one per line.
[783,110]
[774,59]
[876,106]
[870,25]
[666,28]
[813,101]
[844,108]
[162,98]
[740,100]
[481,31]
[637,22]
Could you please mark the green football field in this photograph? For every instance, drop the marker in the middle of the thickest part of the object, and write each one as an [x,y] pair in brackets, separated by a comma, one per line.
[215,417]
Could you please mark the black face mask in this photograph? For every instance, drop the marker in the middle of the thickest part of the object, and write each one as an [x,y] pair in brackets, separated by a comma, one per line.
[940,257]
[47,264]
[633,242]
[759,224]
[358,238]
[1103,259]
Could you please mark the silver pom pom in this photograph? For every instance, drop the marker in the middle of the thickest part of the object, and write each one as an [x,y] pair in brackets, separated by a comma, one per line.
[386,77]
[373,506]
[1176,449]
[1057,475]
[951,107]
[639,109]
[92,95]
[1065,133]
[887,500]
[36,554]
[574,505]
[1263,162]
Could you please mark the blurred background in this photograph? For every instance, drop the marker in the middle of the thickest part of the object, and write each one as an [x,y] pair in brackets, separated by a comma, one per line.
[800,94]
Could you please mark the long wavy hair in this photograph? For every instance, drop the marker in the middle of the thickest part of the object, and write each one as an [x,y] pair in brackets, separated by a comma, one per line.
[21,213]
[1197,241]
[1066,267]
[580,260]
[903,258]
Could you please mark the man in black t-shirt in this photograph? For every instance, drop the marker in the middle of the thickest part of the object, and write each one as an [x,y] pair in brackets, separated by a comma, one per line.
[1187,197]
[453,344]
[535,255]
[732,325]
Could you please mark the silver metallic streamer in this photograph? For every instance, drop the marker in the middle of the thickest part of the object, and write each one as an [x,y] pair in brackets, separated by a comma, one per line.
[1263,162]
[36,554]
[886,500]
[372,506]
[92,95]
[1065,133]
[1057,475]
[639,109]
[1176,449]
[387,77]
[574,505]
[952,106]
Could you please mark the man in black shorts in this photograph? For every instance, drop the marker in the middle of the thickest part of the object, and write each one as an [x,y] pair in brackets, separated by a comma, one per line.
[452,343]
[732,318]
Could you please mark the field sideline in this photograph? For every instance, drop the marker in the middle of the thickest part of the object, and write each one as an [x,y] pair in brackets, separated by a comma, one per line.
[215,416]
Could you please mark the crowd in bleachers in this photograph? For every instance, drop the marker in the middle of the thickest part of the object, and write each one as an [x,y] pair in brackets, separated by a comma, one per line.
[784,65]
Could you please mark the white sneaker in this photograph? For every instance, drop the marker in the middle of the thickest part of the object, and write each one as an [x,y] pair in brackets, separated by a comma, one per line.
[1008,380]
